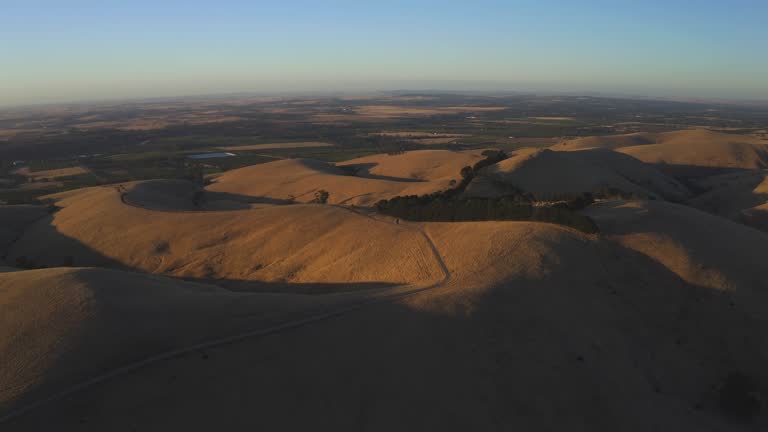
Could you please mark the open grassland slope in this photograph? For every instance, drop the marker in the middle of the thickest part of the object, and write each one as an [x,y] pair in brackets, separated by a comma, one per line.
[729,195]
[700,248]
[62,326]
[426,165]
[756,217]
[656,323]
[693,153]
[547,173]
[296,243]
[684,153]
[13,220]
[361,181]
[606,141]
[538,328]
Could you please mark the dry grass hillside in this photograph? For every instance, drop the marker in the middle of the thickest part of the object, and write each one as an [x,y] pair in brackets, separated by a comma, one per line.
[685,153]
[359,321]
[13,220]
[728,195]
[756,217]
[63,326]
[426,165]
[548,173]
[531,331]
[606,141]
[700,248]
[297,243]
[693,153]
[377,177]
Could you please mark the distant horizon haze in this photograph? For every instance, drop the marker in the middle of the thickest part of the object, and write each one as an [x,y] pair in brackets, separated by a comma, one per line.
[86,50]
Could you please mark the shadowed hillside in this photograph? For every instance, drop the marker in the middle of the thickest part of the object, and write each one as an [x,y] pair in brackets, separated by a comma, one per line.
[169,305]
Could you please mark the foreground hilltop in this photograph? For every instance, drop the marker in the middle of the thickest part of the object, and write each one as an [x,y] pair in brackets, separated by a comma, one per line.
[242,305]
[530,328]
[296,243]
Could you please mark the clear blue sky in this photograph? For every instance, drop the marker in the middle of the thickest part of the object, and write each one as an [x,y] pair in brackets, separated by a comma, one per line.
[53,50]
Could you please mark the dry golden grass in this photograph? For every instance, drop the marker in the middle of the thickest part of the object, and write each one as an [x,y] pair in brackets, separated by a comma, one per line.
[334,245]
[687,153]
[608,141]
[525,326]
[702,249]
[65,325]
[548,173]
[729,194]
[380,177]
[756,217]
[425,165]
[532,312]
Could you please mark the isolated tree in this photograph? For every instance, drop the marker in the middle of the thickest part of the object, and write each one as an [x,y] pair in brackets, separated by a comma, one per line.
[321,197]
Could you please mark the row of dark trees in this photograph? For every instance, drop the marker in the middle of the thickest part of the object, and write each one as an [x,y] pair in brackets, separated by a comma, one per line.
[447,206]
[506,208]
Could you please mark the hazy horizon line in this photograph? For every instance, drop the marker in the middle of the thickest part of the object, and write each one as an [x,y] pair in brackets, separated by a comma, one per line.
[501,92]
[756,102]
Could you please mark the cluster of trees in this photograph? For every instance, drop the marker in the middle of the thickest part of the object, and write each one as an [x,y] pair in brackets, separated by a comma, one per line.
[442,209]
[447,206]
[580,201]
[321,197]
[491,157]
[468,173]
[575,203]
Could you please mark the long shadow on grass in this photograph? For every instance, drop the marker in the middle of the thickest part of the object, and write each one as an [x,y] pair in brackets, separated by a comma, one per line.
[607,340]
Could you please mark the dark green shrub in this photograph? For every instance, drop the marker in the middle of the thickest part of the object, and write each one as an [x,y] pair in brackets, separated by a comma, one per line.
[321,197]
